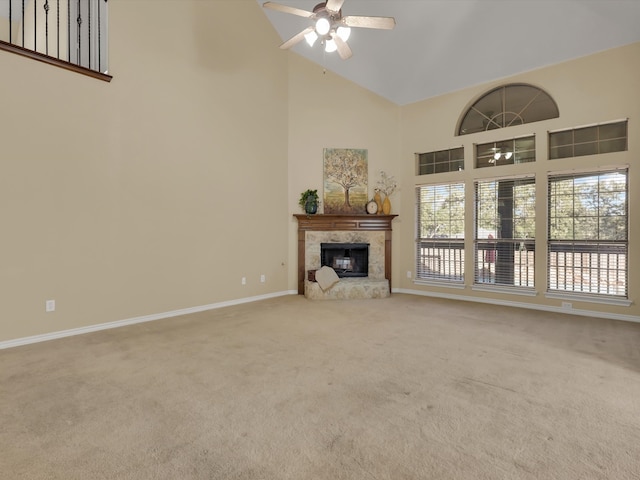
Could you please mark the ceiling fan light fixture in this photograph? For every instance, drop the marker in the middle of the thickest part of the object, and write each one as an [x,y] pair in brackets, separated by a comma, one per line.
[327,24]
[344,33]
[311,38]
[322,26]
[496,156]
[508,155]
[330,45]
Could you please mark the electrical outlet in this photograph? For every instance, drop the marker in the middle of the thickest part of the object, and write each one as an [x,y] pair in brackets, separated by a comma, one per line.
[263,278]
[408,273]
[567,305]
[244,280]
[50,306]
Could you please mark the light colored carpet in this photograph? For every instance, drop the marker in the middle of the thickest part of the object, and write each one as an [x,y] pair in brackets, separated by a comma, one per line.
[398,388]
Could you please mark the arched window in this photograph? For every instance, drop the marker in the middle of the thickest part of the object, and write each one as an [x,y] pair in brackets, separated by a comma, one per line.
[513,104]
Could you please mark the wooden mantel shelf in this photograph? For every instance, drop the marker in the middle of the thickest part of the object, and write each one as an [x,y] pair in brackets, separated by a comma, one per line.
[330,222]
[348,223]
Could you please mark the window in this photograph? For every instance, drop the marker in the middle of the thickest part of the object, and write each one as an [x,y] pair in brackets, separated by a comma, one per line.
[506,152]
[440,232]
[514,104]
[588,235]
[441,161]
[604,138]
[505,232]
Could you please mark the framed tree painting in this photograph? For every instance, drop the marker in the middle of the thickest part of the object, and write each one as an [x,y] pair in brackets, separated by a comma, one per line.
[345,180]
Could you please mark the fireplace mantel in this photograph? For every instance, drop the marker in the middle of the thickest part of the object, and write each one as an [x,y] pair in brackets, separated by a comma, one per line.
[336,222]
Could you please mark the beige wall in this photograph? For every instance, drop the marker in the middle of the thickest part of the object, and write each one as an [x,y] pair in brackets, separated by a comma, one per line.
[155,192]
[4,29]
[598,88]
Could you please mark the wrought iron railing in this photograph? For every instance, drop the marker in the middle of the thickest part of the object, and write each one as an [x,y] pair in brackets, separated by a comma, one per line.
[68,33]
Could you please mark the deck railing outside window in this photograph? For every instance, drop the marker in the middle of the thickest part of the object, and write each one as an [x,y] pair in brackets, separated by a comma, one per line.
[440,259]
[516,269]
[587,267]
[72,31]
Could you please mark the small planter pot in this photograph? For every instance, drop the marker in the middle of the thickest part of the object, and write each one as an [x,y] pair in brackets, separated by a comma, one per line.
[311,206]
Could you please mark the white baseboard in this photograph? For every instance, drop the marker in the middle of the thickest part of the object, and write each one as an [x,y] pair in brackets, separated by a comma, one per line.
[532,306]
[175,313]
[132,321]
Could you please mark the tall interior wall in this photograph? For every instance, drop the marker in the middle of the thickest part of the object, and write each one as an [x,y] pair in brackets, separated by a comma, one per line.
[153,193]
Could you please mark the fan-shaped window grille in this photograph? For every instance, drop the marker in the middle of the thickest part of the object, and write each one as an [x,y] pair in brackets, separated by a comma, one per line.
[505,106]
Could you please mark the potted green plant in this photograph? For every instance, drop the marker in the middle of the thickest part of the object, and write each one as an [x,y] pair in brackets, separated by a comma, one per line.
[309,201]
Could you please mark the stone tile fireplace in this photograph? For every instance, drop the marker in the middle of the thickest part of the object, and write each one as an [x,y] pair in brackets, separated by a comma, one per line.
[374,230]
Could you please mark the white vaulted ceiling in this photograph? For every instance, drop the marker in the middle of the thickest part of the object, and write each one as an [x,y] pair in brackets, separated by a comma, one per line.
[439,46]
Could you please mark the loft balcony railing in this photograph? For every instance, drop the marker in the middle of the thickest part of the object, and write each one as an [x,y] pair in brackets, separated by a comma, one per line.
[70,34]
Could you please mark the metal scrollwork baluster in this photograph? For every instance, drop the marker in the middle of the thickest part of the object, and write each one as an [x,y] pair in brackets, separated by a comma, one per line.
[58,28]
[46,26]
[89,32]
[68,31]
[79,21]
[99,39]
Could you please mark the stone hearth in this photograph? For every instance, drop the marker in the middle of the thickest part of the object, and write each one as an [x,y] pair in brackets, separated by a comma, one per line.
[349,289]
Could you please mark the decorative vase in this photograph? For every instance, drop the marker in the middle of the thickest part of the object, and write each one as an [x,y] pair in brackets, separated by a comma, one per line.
[310,206]
[378,200]
[386,206]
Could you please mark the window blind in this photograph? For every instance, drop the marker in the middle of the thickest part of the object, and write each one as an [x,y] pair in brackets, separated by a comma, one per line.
[505,232]
[588,233]
[440,232]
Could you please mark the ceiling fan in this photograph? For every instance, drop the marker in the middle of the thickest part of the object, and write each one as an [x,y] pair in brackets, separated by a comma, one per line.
[330,26]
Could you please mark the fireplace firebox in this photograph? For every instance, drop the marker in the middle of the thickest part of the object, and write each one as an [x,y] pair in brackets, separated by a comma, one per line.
[347,259]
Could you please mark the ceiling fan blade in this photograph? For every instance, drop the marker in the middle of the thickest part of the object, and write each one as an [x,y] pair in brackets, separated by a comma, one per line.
[385,23]
[286,9]
[334,5]
[343,49]
[298,37]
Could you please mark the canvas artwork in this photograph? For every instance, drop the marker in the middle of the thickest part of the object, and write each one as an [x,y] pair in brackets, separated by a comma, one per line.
[345,180]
